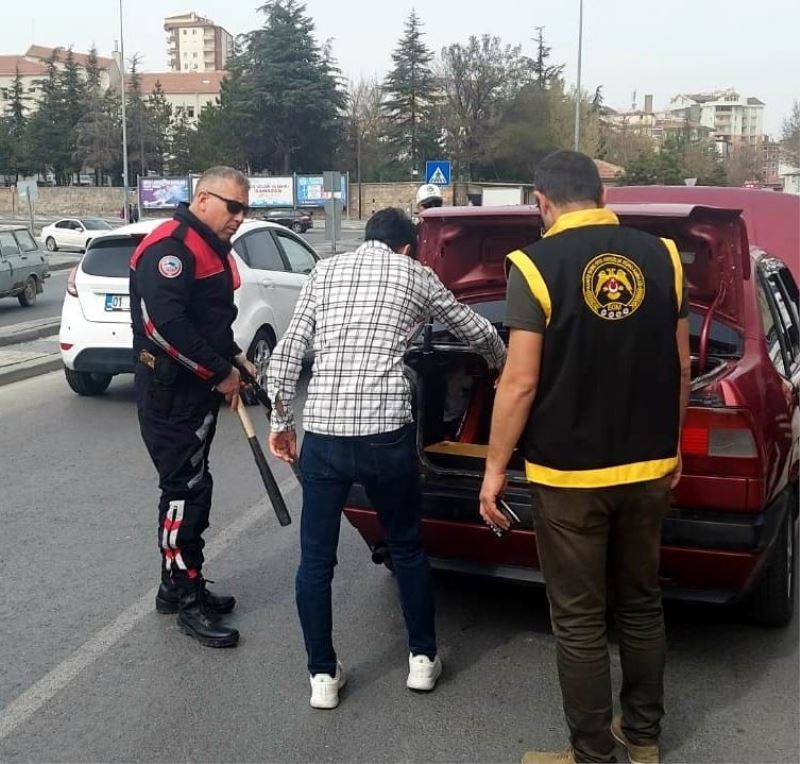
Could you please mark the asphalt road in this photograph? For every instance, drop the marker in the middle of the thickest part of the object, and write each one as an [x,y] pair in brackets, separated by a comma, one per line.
[48,304]
[89,672]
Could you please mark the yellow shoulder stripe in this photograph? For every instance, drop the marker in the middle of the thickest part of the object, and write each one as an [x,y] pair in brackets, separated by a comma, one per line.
[677,268]
[534,280]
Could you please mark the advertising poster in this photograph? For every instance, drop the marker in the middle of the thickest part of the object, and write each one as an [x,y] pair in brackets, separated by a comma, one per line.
[310,193]
[162,193]
[271,192]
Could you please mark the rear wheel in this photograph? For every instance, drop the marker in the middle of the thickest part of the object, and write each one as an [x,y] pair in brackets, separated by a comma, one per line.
[259,353]
[27,298]
[86,382]
[297,227]
[50,243]
[772,601]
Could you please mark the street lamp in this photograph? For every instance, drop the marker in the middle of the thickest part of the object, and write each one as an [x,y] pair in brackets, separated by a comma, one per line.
[124,120]
[578,93]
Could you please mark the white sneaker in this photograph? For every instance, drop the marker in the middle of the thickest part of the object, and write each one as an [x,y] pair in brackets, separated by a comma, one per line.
[423,672]
[325,688]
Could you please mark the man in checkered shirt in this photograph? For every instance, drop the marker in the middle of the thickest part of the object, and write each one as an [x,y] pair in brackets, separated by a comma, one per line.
[358,312]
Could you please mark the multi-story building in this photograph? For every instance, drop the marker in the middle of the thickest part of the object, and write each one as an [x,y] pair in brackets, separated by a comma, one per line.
[771,153]
[196,44]
[32,67]
[187,92]
[659,126]
[734,119]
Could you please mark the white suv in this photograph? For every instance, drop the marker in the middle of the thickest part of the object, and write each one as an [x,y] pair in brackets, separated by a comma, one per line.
[96,339]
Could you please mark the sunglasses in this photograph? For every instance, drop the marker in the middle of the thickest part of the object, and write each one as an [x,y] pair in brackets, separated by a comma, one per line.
[233,207]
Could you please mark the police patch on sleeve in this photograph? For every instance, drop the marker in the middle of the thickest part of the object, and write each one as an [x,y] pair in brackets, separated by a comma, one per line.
[613,286]
[170,266]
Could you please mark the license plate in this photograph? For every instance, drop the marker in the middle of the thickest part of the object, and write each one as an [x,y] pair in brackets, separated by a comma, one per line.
[118,302]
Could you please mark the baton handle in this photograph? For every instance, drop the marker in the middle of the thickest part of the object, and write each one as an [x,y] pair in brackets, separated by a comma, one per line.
[271,485]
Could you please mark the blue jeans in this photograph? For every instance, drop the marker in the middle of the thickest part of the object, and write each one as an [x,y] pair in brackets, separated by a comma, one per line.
[386,466]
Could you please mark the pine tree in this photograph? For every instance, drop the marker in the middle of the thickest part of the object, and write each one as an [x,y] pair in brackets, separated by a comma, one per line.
[73,89]
[15,154]
[50,142]
[283,100]
[181,144]
[411,97]
[159,119]
[544,74]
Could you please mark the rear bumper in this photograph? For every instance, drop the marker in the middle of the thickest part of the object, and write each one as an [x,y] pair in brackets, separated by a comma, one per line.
[104,361]
[707,557]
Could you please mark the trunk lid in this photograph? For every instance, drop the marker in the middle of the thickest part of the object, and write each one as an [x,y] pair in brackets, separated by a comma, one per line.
[467,246]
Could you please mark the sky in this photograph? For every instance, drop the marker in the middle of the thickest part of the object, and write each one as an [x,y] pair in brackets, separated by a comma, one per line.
[644,46]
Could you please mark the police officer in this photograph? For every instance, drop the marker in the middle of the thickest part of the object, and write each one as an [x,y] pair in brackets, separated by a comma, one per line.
[182,281]
[596,382]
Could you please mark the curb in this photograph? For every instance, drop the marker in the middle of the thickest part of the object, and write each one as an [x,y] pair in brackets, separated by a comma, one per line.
[28,369]
[29,333]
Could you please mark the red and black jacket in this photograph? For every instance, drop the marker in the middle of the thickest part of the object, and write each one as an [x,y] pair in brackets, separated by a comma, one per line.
[182,282]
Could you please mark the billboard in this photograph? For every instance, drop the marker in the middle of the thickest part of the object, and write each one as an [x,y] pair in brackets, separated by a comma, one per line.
[272,192]
[310,193]
[162,193]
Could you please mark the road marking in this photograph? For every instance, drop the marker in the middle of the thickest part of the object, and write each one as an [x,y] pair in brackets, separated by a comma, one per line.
[26,705]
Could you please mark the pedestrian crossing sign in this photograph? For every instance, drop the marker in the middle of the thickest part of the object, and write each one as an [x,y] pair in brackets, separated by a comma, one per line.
[438,172]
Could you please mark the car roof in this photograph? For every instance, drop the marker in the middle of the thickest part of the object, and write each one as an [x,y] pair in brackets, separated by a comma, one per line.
[144,227]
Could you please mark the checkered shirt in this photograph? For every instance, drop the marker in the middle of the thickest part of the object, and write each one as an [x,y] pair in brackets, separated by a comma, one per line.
[358,311]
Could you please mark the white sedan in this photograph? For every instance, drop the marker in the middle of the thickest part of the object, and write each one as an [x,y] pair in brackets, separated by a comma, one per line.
[96,340]
[72,233]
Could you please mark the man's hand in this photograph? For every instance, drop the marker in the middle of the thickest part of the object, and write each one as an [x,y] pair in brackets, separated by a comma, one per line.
[494,485]
[283,445]
[244,362]
[230,387]
[676,475]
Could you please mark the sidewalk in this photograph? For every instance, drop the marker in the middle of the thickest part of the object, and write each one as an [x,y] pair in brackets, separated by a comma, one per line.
[62,261]
[28,359]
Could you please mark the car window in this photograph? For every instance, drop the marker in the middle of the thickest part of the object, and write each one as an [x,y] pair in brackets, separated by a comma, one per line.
[787,315]
[261,252]
[301,258]
[76,226]
[110,256]
[63,224]
[771,329]
[8,244]
[25,241]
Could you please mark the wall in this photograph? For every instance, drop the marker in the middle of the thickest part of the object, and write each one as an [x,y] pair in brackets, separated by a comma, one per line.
[66,200]
[377,196]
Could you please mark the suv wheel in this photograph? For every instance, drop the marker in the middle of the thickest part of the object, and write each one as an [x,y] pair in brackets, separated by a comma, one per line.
[772,601]
[50,244]
[27,298]
[86,382]
[259,353]
[298,227]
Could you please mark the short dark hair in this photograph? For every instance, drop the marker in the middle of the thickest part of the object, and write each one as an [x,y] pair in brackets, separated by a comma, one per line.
[568,176]
[393,227]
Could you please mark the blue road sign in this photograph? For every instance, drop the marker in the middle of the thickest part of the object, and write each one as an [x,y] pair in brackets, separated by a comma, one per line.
[438,172]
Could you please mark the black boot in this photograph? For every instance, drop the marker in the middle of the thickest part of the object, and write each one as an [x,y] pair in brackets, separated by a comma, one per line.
[169,595]
[200,623]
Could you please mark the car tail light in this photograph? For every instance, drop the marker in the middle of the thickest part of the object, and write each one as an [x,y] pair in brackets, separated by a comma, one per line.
[66,345]
[71,286]
[720,442]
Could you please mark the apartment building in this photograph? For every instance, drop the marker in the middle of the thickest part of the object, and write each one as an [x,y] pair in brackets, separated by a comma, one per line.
[196,44]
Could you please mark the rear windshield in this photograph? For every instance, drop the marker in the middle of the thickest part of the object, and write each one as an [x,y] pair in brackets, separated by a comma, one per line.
[96,225]
[109,257]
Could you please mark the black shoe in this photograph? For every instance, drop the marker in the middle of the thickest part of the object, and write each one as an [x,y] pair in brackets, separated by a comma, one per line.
[169,595]
[196,620]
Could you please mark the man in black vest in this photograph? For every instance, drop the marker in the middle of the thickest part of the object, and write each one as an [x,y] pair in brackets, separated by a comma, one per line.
[182,281]
[596,384]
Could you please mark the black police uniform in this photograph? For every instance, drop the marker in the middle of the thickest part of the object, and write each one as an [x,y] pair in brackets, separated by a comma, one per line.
[182,282]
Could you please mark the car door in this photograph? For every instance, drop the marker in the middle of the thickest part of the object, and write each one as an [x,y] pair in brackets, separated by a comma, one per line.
[29,254]
[17,269]
[62,233]
[277,286]
[77,234]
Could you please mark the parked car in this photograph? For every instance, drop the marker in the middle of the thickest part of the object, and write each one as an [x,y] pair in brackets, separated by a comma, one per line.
[96,339]
[731,533]
[23,266]
[297,220]
[72,233]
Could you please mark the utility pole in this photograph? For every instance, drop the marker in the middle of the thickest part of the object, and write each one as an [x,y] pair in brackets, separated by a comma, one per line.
[578,92]
[124,120]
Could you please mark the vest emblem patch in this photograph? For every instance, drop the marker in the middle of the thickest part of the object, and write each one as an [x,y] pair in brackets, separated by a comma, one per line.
[613,286]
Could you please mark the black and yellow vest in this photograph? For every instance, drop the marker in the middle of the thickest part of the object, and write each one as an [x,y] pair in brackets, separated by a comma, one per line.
[607,404]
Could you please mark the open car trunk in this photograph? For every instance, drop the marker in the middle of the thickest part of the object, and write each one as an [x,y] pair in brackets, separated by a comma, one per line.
[467,248]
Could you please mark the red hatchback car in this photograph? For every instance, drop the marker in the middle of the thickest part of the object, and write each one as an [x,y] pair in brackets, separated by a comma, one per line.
[731,533]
